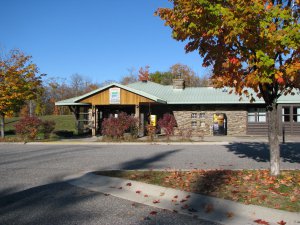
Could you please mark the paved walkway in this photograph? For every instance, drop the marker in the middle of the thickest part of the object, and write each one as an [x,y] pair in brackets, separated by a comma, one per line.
[195,205]
[194,140]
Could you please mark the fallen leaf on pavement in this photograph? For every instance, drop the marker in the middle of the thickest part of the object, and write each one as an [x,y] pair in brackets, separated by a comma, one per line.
[138,192]
[185,206]
[229,214]
[156,201]
[259,221]
[281,222]
[128,184]
[153,213]
[209,208]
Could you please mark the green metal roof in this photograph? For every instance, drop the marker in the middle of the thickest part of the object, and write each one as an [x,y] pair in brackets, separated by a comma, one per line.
[190,95]
[201,95]
[70,101]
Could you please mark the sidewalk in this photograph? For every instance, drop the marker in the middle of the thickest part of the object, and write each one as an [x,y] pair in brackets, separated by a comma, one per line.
[195,205]
[207,140]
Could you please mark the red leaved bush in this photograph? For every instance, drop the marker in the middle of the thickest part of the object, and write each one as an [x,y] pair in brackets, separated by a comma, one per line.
[47,127]
[116,127]
[28,127]
[167,123]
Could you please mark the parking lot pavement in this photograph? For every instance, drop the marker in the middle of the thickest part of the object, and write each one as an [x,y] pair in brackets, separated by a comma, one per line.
[31,175]
[61,204]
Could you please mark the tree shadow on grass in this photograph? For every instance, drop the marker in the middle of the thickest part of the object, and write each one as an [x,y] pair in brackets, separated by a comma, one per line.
[259,152]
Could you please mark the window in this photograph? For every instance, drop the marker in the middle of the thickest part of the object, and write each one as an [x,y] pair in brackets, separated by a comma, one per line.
[261,115]
[194,124]
[257,115]
[251,115]
[194,115]
[202,115]
[296,114]
[286,114]
[202,124]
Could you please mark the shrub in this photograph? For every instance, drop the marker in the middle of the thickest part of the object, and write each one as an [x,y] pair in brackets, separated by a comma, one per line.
[167,123]
[28,127]
[151,131]
[185,133]
[47,127]
[116,127]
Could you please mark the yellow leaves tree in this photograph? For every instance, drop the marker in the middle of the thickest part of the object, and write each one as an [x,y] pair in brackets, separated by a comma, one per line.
[19,82]
[249,45]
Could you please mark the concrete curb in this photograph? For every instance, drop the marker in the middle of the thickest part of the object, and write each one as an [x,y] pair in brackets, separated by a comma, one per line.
[118,143]
[198,206]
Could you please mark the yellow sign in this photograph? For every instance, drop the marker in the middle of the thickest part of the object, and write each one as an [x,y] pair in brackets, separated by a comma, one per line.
[153,120]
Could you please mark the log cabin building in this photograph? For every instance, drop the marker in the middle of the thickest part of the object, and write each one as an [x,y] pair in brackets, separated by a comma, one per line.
[202,110]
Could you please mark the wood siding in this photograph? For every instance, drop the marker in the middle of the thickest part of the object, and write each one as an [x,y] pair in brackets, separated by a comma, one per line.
[127,98]
[257,128]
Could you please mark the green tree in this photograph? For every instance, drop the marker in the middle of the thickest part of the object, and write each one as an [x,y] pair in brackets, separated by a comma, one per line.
[164,78]
[249,44]
[186,73]
[19,82]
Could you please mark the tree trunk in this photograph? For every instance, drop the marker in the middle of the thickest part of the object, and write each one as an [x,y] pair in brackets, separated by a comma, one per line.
[2,125]
[274,140]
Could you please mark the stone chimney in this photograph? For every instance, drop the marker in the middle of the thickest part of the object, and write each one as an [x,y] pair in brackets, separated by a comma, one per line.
[178,84]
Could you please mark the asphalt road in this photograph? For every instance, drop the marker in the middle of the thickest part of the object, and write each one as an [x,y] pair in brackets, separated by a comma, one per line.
[31,191]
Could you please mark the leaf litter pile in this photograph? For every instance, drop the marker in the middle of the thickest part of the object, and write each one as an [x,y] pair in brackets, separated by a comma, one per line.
[247,186]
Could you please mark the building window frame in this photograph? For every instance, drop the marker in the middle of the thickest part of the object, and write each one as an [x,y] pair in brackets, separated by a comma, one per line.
[286,114]
[257,115]
[202,115]
[296,114]
[194,124]
[194,115]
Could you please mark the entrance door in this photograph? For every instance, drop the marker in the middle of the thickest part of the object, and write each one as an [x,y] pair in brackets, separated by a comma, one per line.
[290,119]
[219,124]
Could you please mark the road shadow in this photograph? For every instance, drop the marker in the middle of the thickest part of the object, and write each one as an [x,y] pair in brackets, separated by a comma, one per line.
[259,152]
[56,203]
[62,203]
[146,163]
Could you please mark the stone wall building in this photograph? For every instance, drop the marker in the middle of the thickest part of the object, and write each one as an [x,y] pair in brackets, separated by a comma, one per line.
[198,111]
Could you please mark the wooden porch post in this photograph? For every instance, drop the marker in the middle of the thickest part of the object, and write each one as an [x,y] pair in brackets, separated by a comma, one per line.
[94,120]
[137,115]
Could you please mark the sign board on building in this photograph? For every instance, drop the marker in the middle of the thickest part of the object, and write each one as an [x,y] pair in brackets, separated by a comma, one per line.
[114,96]
[153,120]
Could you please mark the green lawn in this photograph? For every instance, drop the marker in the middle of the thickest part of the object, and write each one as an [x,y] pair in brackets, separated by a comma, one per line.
[62,123]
